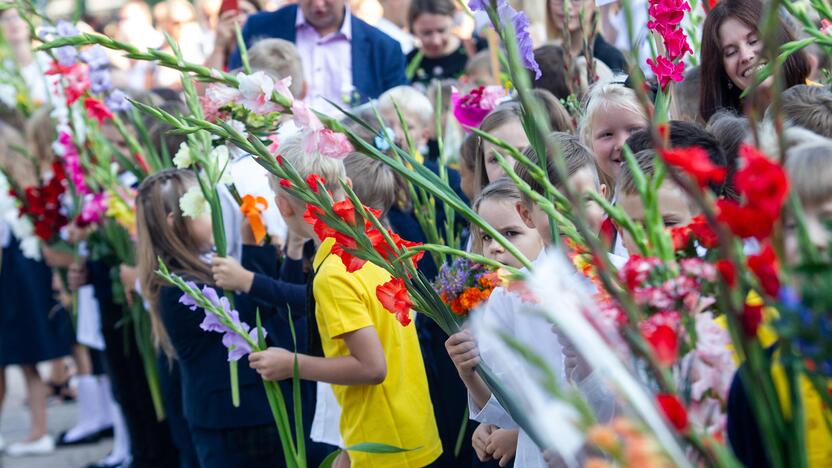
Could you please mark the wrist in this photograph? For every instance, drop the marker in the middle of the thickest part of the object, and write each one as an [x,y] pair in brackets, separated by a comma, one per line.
[248,280]
[294,251]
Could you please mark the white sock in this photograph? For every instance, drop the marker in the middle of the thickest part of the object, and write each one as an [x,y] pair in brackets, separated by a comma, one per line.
[89,409]
[106,402]
[121,438]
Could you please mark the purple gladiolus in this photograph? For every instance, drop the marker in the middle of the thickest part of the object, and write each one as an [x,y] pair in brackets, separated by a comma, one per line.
[187,300]
[95,57]
[66,29]
[117,101]
[100,81]
[477,5]
[236,343]
[521,30]
[66,55]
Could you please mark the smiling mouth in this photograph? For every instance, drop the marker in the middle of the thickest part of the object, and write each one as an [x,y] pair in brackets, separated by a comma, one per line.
[753,69]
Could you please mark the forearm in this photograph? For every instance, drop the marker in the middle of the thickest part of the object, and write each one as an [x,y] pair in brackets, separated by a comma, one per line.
[341,370]
[477,389]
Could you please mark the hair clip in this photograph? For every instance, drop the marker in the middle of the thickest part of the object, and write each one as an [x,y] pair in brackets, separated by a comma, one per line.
[382,140]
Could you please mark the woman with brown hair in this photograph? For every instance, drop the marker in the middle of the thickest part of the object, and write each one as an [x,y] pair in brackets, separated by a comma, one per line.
[732,54]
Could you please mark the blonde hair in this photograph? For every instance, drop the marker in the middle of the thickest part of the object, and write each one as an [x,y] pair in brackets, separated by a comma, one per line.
[157,199]
[40,134]
[410,101]
[14,164]
[810,171]
[576,156]
[278,58]
[480,61]
[331,169]
[372,180]
[502,189]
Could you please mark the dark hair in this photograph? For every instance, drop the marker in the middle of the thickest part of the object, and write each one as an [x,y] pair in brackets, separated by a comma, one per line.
[730,130]
[575,155]
[553,71]
[684,135]
[715,92]
[434,7]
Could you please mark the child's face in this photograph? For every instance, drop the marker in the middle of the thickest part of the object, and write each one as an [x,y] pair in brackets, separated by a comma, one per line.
[435,33]
[481,76]
[673,207]
[292,212]
[583,181]
[818,216]
[201,231]
[502,215]
[535,218]
[513,134]
[419,132]
[466,181]
[610,129]
[558,13]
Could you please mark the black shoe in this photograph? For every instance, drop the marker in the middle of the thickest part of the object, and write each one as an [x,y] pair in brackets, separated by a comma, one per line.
[88,439]
[101,464]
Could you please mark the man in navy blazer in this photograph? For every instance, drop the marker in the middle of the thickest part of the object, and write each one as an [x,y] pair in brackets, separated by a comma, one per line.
[377,63]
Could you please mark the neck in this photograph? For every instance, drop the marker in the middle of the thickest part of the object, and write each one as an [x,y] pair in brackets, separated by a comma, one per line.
[333,27]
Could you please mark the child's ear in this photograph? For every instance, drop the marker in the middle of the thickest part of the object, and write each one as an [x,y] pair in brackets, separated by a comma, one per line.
[286,209]
[348,181]
[525,214]
[602,190]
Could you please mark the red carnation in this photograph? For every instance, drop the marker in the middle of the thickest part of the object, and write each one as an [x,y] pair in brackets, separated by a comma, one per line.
[762,181]
[394,297]
[764,266]
[97,110]
[694,161]
[673,410]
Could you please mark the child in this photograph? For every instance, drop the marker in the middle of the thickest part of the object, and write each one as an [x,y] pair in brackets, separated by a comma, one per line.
[687,135]
[675,207]
[371,360]
[611,114]
[478,71]
[730,130]
[506,307]
[467,165]
[809,107]
[222,434]
[497,205]
[417,111]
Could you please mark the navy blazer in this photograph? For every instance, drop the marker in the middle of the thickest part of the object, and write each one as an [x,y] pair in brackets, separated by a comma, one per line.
[377,60]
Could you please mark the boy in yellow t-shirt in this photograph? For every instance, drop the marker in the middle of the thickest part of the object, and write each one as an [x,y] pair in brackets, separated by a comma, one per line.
[373,363]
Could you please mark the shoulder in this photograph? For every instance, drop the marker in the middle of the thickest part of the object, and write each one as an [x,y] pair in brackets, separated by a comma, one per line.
[374,35]
[267,19]
[607,53]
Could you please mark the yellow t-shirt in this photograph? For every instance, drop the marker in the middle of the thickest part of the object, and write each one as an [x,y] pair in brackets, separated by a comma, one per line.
[397,412]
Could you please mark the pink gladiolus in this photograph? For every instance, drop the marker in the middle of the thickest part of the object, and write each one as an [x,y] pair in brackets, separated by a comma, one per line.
[256,91]
[316,137]
[93,210]
[275,144]
[676,43]
[667,14]
[666,71]
[72,163]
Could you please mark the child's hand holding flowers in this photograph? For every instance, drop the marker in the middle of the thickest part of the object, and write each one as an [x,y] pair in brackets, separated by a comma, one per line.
[273,364]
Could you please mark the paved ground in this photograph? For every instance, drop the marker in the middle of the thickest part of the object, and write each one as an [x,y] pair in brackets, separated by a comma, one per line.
[14,426]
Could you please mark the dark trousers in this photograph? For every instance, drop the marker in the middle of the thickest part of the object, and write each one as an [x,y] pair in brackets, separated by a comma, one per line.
[170,381]
[238,447]
[151,444]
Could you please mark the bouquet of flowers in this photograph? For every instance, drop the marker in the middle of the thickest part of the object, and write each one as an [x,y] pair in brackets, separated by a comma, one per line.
[465,284]
[470,109]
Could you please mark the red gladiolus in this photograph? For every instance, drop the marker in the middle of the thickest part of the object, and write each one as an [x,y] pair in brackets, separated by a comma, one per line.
[764,266]
[752,317]
[345,210]
[97,110]
[673,410]
[280,160]
[286,183]
[762,181]
[745,221]
[728,272]
[666,71]
[704,232]
[394,297]
[664,342]
[321,229]
[312,181]
[350,261]
[681,236]
[694,162]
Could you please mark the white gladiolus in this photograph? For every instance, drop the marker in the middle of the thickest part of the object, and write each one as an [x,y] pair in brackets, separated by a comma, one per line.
[183,158]
[193,203]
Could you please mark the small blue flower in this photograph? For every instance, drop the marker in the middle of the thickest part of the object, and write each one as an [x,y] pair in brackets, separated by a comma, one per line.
[381,142]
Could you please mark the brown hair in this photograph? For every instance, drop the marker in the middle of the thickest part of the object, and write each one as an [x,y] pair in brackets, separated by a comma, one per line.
[40,134]
[646,161]
[686,96]
[575,155]
[373,181]
[716,90]
[502,189]
[158,197]
[559,121]
[433,7]
[553,77]
[809,107]
[279,59]
[468,152]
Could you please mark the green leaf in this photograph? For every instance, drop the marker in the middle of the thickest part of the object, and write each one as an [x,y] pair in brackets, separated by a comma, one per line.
[377,447]
[327,462]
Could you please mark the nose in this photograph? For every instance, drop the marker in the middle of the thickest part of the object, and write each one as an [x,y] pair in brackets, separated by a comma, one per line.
[747,54]
[620,139]
[494,248]
[818,234]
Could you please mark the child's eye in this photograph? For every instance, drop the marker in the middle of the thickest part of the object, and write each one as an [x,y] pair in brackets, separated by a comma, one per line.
[752,39]
[729,52]
[486,238]
[509,234]
[670,222]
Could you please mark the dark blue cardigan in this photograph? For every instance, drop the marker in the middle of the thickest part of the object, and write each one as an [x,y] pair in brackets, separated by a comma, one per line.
[377,60]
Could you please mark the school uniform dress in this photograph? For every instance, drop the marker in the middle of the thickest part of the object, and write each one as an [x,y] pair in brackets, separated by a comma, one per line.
[33,326]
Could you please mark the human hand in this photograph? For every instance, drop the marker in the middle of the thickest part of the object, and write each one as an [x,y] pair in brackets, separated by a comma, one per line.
[575,367]
[76,275]
[294,246]
[502,445]
[128,274]
[56,258]
[273,363]
[463,351]
[226,35]
[229,274]
[479,440]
